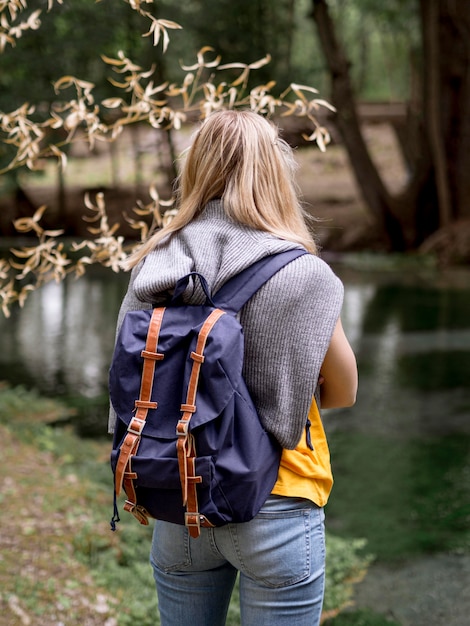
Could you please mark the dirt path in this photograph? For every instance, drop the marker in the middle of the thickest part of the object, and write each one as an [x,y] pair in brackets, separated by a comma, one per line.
[41,582]
[428,591]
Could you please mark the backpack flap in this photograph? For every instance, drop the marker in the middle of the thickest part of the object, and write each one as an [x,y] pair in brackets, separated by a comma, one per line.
[178,337]
[221,373]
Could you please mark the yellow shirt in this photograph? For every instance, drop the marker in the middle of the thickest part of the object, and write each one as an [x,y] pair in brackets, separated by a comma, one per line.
[306,473]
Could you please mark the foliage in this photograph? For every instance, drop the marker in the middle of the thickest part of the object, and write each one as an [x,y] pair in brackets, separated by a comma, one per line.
[363,617]
[26,405]
[64,488]
[33,133]
[248,29]
[382,42]
[346,565]
[27,75]
[42,505]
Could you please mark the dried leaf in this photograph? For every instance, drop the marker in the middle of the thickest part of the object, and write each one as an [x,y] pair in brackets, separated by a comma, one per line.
[112,103]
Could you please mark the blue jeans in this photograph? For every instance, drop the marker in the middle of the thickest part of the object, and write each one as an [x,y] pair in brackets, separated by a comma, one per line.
[280,555]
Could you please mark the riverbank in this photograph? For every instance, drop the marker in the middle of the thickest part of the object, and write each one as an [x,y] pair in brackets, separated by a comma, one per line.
[47,510]
[428,591]
[59,563]
[41,579]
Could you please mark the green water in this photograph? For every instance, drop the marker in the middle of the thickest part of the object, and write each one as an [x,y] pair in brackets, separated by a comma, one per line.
[401,455]
[405,497]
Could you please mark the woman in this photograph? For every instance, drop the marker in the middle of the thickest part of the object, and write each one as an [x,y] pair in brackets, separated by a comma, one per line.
[237,204]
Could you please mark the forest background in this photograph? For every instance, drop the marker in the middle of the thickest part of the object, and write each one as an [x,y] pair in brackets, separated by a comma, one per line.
[75,78]
[92,117]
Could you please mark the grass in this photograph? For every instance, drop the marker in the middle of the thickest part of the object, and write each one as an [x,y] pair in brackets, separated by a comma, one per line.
[41,580]
[59,561]
[360,618]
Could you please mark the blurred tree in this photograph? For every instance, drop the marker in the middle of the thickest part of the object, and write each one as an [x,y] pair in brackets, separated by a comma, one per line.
[379,39]
[247,29]
[67,43]
[437,135]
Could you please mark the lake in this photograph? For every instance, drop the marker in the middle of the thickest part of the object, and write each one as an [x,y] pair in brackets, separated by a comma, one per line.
[400,455]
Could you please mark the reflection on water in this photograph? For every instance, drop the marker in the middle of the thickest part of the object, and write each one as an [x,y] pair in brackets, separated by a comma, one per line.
[412,341]
[411,338]
[401,455]
[62,340]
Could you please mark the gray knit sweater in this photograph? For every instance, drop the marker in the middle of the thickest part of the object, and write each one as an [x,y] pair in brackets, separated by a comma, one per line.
[287,325]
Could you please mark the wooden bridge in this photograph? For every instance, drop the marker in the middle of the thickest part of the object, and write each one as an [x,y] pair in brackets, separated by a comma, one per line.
[393,113]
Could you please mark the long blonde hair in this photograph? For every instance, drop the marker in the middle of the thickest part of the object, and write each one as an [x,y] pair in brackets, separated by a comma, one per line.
[238,156]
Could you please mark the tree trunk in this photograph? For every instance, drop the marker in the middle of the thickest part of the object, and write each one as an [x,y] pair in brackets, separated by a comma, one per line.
[373,189]
[431,49]
[446,35]
[438,155]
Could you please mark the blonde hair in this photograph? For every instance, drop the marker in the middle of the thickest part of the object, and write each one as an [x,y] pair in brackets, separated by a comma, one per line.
[238,156]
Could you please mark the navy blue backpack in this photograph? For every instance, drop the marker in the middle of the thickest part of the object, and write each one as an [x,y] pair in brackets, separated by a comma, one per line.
[188,444]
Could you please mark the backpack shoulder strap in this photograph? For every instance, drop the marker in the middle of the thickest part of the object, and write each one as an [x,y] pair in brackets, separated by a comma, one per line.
[238,290]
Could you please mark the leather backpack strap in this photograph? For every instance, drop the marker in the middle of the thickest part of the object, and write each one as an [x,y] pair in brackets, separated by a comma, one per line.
[185,445]
[124,476]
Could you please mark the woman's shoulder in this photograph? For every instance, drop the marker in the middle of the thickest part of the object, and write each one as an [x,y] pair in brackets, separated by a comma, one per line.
[309,269]
[303,284]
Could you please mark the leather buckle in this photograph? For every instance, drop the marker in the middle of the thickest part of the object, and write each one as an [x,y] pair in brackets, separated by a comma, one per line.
[192,520]
[136,430]
[182,428]
[139,512]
